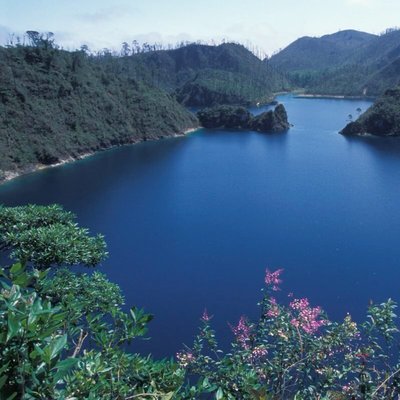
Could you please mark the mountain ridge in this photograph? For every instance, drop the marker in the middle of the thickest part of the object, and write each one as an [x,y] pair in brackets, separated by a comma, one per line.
[363,64]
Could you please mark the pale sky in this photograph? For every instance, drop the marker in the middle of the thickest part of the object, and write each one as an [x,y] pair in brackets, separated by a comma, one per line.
[267,24]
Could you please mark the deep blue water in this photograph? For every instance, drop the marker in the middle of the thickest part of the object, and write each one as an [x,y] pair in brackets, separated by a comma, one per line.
[193,222]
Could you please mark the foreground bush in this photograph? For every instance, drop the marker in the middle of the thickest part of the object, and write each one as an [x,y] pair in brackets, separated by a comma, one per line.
[64,335]
[294,352]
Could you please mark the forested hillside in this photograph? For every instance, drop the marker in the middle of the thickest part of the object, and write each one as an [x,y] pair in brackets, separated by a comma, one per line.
[203,75]
[346,63]
[56,105]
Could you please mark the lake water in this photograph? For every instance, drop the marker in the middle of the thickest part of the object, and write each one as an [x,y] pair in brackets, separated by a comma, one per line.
[193,222]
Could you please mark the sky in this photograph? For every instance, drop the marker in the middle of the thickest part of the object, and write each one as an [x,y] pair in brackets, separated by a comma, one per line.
[268,25]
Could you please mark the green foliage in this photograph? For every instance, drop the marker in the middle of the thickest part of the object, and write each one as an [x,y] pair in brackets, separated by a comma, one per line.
[43,325]
[117,374]
[48,235]
[224,117]
[83,292]
[32,341]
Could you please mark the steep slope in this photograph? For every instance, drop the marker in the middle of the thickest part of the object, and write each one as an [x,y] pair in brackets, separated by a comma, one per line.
[57,105]
[382,119]
[201,75]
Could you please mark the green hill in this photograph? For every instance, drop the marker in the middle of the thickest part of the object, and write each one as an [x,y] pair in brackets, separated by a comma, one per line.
[202,75]
[316,54]
[57,105]
[382,119]
[346,63]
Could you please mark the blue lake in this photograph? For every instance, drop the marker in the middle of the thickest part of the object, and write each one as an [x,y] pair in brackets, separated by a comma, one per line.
[193,222]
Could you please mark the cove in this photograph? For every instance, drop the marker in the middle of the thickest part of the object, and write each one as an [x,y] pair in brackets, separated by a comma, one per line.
[192,222]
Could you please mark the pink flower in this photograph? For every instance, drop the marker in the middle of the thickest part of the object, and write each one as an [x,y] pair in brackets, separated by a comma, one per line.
[273,311]
[272,279]
[307,317]
[205,317]
[299,304]
[257,353]
[242,332]
[347,389]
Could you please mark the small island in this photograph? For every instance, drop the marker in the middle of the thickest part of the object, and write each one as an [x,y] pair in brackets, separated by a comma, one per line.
[232,117]
[382,119]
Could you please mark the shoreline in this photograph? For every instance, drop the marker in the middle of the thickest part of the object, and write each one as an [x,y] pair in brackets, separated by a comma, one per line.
[332,96]
[9,176]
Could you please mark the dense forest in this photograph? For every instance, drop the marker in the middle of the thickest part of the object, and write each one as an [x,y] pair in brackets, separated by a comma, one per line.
[345,63]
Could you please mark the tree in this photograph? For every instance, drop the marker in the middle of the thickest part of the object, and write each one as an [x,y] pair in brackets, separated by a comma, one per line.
[34,38]
[47,235]
[45,40]
[46,316]
[85,49]
[125,50]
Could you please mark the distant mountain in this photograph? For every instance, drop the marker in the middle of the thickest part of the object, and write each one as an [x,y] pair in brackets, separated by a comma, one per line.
[202,75]
[57,105]
[345,63]
[315,54]
[382,119]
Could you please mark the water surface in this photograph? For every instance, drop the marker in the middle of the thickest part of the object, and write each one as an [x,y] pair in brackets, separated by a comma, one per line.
[193,222]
